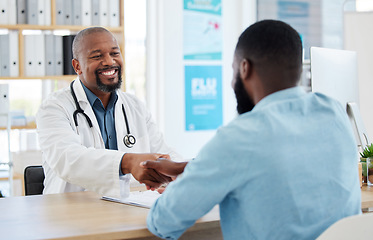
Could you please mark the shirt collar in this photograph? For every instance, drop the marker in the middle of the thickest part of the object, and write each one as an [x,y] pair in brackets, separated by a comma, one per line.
[282,95]
[92,98]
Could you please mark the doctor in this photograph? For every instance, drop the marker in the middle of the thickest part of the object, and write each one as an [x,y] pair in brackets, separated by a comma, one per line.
[92,135]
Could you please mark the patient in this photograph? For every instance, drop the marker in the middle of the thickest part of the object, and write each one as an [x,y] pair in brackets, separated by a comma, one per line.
[285,168]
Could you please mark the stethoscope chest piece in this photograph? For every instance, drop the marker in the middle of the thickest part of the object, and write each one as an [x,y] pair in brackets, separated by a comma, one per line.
[129,140]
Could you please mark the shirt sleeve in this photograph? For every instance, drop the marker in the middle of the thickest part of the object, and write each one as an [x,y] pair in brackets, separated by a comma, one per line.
[203,185]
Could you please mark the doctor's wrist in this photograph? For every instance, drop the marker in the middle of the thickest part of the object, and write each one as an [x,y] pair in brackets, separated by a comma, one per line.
[127,163]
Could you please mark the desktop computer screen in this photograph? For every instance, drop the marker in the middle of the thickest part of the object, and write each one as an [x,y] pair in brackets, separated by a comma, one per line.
[334,73]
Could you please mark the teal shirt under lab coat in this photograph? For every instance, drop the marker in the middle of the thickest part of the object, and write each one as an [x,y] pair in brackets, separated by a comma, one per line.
[285,170]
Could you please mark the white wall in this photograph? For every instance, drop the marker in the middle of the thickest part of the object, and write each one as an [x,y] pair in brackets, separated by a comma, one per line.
[165,73]
[358,36]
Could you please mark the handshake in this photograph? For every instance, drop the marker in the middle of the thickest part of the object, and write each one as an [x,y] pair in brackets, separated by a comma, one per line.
[151,169]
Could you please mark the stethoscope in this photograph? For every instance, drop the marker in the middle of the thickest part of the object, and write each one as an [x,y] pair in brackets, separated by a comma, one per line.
[129,140]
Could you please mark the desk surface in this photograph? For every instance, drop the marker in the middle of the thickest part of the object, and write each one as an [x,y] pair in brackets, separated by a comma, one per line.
[81,215]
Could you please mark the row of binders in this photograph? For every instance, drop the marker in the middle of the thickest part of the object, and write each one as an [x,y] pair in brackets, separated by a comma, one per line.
[68,12]
[44,55]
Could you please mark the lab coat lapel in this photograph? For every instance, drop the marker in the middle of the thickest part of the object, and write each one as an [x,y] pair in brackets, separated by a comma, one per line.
[84,104]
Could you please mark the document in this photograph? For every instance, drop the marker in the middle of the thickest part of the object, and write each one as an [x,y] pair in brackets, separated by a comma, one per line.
[143,199]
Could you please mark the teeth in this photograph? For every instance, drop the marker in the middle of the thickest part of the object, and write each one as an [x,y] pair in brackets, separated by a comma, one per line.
[108,73]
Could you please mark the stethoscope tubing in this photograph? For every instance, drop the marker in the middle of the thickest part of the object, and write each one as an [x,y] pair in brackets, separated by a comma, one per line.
[129,140]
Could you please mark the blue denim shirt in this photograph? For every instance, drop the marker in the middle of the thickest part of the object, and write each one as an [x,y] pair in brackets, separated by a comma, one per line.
[285,170]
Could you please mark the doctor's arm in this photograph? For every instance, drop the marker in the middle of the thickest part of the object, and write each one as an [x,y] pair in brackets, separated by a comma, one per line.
[151,177]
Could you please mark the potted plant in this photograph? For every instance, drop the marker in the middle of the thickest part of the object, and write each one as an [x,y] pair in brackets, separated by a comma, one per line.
[367,157]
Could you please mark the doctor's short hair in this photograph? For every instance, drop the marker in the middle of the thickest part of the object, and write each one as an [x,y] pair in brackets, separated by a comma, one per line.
[80,36]
[274,49]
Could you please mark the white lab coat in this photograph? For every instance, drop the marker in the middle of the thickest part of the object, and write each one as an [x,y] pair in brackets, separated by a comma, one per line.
[75,159]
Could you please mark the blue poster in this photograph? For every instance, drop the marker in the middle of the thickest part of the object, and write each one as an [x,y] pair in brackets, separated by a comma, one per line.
[203,98]
[202,30]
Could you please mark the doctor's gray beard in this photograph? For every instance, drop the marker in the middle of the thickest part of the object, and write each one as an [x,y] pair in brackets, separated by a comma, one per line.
[107,87]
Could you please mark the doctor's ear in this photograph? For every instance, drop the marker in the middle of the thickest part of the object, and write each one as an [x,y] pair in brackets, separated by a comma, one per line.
[76,66]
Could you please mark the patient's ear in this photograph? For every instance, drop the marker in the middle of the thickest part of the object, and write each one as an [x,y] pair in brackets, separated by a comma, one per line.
[245,69]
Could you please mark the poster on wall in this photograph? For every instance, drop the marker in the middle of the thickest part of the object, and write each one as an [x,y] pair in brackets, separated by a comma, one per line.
[203,97]
[202,30]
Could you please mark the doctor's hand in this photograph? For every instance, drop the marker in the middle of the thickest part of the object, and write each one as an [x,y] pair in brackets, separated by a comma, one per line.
[165,167]
[153,179]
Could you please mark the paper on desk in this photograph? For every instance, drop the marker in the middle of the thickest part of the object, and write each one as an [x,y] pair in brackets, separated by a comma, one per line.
[137,198]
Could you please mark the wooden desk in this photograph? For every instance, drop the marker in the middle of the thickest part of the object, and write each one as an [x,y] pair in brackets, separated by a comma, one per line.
[83,215]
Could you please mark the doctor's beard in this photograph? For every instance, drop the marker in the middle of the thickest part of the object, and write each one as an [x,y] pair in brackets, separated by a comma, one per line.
[109,87]
[244,102]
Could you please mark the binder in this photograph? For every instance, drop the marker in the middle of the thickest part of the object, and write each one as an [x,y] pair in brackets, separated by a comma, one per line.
[32,11]
[39,52]
[47,10]
[86,14]
[41,12]
[4,45]
[67,42]
[29,55]
[60,15]
[114,7]
[12,12]
[95,12]
[104,13]
[21,12]
[58,55]
[4,12]
[77,12]
[13,54]
[68,12]
[49,55]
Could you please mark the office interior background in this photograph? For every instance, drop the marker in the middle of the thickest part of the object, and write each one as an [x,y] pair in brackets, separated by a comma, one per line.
[156,37]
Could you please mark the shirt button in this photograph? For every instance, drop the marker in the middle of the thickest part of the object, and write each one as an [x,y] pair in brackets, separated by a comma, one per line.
[109,137]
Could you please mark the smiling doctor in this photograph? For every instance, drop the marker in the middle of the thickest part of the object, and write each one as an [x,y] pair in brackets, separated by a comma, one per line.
[93,136]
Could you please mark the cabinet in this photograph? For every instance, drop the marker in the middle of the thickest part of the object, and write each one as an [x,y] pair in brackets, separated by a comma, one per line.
[21,28]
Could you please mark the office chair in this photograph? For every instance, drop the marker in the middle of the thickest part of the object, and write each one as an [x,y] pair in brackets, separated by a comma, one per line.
[34,180]
[353,227]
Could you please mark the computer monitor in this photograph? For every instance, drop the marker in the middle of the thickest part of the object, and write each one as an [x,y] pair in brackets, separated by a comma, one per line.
[334,73]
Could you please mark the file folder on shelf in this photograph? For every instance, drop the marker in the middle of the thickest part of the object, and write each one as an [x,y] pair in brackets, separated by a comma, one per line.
[60,15]
[4,46]
[39,51]
[86,14]
[47,14]
[49,55]
[21,12]
[29,60]
[68,12]
[3,12]
[13,54]
[68,55]
[12,12]
[32,11]
[77,12]
[58,55]
[104,13]
[40,12]
[114,7]
[95,12]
